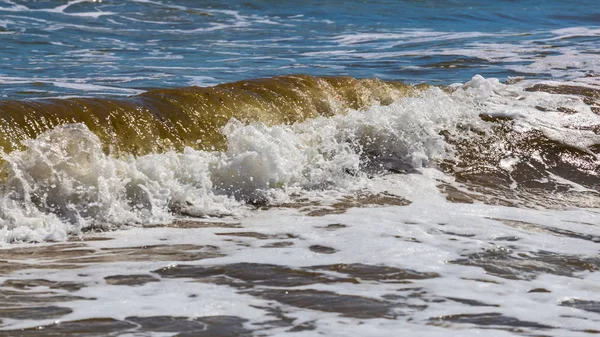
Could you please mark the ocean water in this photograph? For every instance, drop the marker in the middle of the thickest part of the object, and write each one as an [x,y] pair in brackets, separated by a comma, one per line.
[379,168]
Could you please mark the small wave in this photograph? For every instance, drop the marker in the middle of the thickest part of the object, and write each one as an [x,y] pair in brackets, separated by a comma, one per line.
[79,163]
[166,119]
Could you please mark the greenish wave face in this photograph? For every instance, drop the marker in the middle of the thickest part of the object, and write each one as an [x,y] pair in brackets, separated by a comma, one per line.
[160,120]
[82,162]
[194,117]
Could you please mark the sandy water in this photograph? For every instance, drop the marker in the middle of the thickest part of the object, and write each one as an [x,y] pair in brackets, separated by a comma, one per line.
[366,265]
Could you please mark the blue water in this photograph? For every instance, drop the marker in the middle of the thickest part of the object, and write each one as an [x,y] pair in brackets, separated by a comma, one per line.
[58,48]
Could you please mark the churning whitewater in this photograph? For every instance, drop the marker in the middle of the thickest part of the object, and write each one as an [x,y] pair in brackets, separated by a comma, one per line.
[65,181]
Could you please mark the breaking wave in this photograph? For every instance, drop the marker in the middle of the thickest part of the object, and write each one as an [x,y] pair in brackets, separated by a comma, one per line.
[82,163]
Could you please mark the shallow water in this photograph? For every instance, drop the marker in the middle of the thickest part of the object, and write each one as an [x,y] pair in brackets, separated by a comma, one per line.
[277,204]
[373,269]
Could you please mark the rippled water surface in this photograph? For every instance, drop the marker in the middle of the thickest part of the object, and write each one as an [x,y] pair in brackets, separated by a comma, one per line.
[57,48]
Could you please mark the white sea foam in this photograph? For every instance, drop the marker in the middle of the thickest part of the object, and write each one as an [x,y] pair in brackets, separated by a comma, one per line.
[423,236]
[566,33]
[498,99]
[82,84]
[503,49]
[95,87]
[64,182]
[407,36]
[59,9]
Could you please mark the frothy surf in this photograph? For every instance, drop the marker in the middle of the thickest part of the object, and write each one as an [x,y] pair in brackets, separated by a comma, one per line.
[81,164]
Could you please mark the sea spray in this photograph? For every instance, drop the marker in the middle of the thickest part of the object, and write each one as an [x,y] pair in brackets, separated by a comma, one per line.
[64,181]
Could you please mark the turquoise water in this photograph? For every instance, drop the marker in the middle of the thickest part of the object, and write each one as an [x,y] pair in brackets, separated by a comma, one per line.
[58,48]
